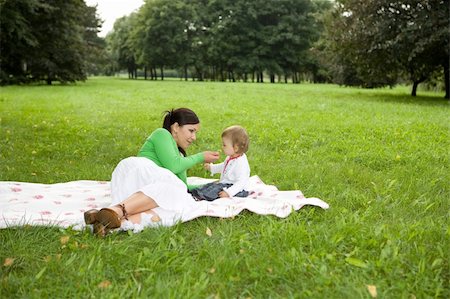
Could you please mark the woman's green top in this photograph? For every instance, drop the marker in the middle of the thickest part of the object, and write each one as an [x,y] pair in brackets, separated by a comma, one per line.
[161,148]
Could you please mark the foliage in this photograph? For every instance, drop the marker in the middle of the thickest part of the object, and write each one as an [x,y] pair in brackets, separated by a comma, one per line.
[374,42]
[121,44]
[96,59]
[378,157]
[223,39]
[164,42]
[46,40]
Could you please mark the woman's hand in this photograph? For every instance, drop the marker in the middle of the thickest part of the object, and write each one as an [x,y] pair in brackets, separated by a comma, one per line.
[211,156]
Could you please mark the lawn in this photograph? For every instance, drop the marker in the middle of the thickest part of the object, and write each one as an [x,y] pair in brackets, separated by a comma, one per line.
[380,158]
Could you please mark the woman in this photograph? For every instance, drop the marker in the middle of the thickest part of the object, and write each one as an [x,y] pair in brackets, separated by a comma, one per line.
[156,177]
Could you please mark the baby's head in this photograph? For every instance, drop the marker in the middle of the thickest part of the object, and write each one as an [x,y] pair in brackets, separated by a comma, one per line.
[238,137]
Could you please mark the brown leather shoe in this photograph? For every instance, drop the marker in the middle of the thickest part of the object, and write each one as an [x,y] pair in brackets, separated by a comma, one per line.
[108,218]
[90,217]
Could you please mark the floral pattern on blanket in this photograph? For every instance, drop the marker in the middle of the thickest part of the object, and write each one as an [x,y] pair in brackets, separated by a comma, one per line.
[63,204]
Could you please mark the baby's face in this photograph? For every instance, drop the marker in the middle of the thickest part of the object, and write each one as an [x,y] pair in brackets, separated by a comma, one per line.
[227,146]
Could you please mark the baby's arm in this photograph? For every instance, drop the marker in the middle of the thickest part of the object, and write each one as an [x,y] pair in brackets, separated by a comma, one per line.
[216,168]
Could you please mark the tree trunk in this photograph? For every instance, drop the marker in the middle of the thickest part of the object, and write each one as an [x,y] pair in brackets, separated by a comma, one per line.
[414,88]
[185,73]
[198,74]
[447,81]
[49,80]
[162,73]
[130,71]
[262,77]
[145,73]
[232,76]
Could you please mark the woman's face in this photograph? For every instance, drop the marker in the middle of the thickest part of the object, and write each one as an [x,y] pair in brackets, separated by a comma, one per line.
[185,135]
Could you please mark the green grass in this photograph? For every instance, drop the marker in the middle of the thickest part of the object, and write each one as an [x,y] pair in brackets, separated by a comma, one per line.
[380,158]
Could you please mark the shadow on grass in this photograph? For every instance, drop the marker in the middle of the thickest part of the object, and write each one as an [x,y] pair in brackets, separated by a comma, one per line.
[424,100]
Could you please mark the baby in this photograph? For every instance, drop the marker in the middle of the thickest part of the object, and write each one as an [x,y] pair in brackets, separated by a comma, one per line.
[234,170]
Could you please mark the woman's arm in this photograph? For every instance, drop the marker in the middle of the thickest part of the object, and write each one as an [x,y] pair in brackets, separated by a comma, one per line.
[168,154]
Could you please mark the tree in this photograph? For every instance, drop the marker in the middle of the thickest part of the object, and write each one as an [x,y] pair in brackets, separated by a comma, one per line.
[163,36]
[96,57]
[295,30]
[380,40]
[262,36]
[122,46]
[44,40]
[197,40]
[17,38]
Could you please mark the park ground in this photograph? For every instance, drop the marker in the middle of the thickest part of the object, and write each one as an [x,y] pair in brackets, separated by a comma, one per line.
[379,157]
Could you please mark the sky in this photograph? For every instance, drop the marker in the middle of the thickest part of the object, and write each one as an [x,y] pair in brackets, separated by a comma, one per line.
[110,10]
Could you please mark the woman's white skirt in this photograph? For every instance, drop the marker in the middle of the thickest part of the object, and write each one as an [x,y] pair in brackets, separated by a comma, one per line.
[135,174]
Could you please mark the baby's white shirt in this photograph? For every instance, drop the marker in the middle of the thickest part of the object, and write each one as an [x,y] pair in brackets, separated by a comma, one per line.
[236,172]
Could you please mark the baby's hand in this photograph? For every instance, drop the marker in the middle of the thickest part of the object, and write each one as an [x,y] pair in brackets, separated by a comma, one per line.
[223,194]
[207,166]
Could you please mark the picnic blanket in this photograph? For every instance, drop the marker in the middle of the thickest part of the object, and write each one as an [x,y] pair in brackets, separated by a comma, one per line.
[63,204]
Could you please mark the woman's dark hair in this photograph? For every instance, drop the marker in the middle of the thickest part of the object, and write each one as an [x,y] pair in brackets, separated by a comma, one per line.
[182,116]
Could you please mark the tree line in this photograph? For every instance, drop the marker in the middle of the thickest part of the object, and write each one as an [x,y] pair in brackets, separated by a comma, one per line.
[220,40]
[370,43]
